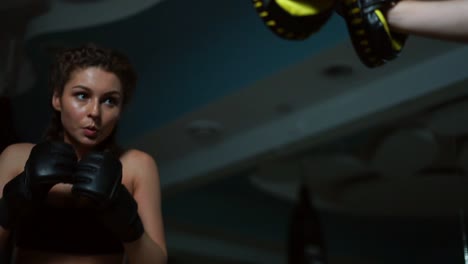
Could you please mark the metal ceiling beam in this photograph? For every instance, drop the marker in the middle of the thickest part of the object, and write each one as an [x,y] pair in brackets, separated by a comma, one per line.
[319,122]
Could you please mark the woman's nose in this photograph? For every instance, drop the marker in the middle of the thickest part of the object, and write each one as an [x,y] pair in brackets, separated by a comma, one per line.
[94,109]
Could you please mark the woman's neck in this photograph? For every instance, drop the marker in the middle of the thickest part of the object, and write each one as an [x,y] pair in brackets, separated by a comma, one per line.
[80,150]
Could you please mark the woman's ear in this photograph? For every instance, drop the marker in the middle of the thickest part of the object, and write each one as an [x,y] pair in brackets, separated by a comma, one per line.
[56,102]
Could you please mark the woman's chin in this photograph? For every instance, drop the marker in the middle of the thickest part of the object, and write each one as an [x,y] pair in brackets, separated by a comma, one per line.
[90,142]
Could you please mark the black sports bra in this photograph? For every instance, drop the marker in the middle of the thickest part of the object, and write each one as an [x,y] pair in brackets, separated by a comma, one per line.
[66,230]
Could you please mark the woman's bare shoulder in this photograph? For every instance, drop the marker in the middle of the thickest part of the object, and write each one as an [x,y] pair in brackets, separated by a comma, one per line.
[17,151]
[20,147]
[134,158]
[137,161]
[12,160]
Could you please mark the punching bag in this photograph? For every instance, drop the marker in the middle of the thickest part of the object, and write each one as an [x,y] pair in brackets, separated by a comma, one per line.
[306,244]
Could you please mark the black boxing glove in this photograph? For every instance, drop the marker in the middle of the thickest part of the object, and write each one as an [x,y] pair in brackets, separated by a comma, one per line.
[49,163]
[98,177]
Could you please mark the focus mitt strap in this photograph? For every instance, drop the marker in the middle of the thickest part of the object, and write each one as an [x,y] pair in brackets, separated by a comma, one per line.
[373,40]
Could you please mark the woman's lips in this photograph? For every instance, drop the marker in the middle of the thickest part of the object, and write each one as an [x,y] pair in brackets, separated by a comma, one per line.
[89,132]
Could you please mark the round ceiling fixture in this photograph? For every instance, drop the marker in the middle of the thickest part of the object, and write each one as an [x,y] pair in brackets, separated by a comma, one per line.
[337,71]
[450,120]
[405,152]
[204,129]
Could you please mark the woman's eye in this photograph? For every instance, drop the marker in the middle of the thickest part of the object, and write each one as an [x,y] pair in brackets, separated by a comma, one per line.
[81,96]
[111,101]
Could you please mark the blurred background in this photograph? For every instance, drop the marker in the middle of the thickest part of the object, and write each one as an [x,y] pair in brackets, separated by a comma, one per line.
[270,151]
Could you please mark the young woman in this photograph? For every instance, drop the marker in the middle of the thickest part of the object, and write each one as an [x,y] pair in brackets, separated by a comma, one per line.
[439,19]
[77,197]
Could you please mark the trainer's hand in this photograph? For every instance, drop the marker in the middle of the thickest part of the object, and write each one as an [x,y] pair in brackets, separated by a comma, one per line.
[49,163]
[98,177]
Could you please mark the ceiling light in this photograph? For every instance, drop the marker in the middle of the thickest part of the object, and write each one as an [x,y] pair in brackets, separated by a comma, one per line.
[204,129]
[337,70]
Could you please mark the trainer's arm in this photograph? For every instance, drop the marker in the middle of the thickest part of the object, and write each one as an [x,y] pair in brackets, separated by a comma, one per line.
[443,19]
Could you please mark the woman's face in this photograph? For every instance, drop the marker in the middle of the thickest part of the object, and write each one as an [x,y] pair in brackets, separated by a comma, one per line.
[89,106]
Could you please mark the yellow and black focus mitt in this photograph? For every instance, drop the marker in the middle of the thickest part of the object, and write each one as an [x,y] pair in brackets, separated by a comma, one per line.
[373,40]
[294,19]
